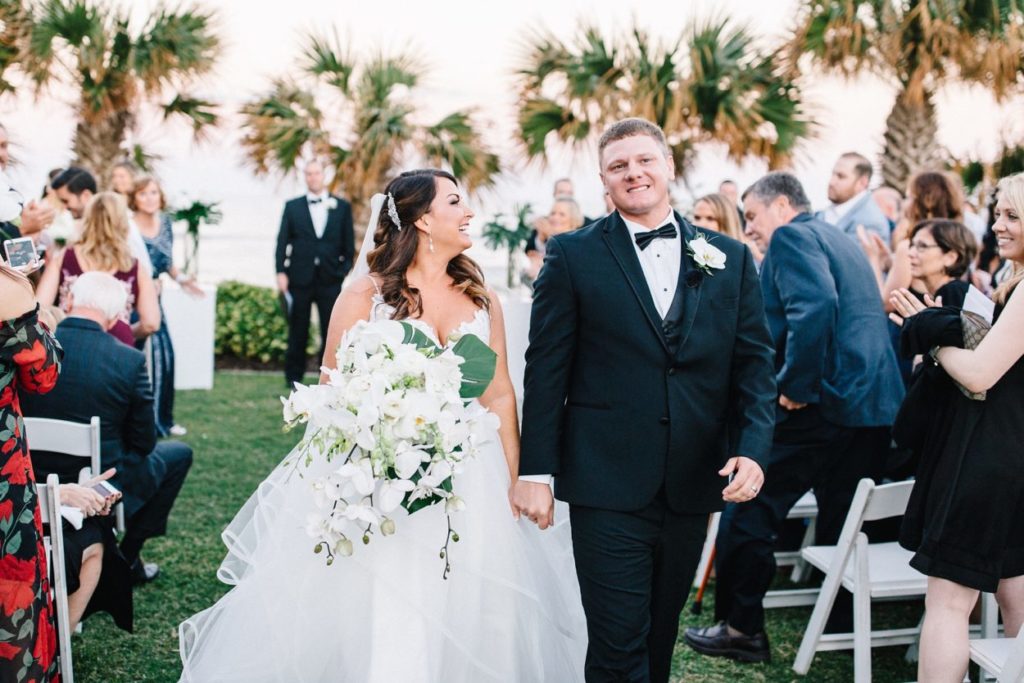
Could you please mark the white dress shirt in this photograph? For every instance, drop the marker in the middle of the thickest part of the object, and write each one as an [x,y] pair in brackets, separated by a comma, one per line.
[835,213]
[660,262]
[318,212]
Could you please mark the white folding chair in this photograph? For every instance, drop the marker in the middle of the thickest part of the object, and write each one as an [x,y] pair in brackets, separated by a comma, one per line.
[49,506]
[1001,657]
[869,571]
[71,438]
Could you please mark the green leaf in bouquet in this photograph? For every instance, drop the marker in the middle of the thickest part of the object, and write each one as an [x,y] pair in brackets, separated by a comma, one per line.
[413,335]
[478,368]
[421,503]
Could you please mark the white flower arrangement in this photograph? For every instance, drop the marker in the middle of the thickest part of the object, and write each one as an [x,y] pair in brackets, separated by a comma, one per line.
[706,256]
[397,418]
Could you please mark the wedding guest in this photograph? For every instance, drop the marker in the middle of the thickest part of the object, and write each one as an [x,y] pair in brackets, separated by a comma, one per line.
[103,247]
[965,518]
[564,188]
[941,251]
[75,187]
[107,379]
[35,216]
[890,201]
[122,178]
[63,229]
[565,216]
[717,212]
[730,191]
[147,202]
[839,390]
[315,248]
[852,203]
[29,363]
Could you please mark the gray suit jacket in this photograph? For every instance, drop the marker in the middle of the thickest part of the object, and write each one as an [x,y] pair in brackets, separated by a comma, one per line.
[865,212]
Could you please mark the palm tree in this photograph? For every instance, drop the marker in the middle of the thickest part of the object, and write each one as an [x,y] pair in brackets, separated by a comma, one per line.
[115,70]
[711,86]
[374,100]
[917,45]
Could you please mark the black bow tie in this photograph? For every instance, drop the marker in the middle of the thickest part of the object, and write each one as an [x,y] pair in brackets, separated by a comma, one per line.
[667,231]
[315,200]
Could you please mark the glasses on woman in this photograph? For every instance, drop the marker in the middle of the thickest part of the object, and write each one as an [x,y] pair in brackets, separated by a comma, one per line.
[923,246]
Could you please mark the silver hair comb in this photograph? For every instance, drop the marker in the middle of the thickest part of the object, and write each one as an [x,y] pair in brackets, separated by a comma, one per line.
[393,211]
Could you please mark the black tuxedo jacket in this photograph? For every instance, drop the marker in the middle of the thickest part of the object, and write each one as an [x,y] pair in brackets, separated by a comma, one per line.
[101,376]
[609,409]
[308,260]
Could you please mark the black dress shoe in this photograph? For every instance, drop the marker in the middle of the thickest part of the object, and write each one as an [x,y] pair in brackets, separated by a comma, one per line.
[716,642]
[144,572]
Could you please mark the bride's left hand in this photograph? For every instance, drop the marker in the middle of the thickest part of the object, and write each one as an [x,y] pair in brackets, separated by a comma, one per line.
[906,305]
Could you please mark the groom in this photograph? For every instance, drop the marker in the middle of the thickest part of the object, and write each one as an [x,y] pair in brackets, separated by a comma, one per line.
[649,380]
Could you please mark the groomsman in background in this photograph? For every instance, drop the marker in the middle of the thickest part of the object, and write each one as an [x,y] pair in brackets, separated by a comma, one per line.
[315,250]
[852,203]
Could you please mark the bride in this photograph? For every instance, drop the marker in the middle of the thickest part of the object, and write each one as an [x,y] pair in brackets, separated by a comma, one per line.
[510,608]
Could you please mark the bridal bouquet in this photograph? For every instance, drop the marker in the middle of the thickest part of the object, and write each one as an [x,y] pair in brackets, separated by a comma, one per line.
[397,419]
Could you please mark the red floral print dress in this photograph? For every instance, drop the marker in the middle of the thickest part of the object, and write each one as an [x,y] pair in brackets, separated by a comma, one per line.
[29,361]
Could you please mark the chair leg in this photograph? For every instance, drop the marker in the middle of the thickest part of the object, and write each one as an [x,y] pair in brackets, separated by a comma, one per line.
[822,608]
[861,613]
[801,570]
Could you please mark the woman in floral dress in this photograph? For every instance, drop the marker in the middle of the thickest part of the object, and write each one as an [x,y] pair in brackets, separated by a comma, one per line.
[29,361]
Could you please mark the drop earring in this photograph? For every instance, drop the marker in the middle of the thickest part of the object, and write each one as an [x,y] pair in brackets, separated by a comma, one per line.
[430,243]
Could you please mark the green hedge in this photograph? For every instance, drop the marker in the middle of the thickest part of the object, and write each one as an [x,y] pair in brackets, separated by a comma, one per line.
[250,325]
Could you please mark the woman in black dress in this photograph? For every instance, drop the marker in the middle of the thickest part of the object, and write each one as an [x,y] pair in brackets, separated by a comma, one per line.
[965,520]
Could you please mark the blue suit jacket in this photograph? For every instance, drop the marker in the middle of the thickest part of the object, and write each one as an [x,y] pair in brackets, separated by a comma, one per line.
[826,319]
[104,377]
[866,212]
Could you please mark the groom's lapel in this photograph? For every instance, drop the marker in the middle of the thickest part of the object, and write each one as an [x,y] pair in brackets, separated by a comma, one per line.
[617,237]
[691,295]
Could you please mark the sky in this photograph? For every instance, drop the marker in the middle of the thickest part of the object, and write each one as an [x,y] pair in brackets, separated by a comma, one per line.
[472,50]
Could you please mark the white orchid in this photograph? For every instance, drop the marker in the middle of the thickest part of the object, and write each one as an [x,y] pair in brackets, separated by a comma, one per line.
[392,493]
[706,256]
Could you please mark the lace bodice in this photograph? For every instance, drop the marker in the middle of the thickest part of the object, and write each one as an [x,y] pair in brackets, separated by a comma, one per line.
[479,324]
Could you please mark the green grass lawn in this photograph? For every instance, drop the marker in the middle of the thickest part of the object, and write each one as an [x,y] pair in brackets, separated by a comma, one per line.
[236,433]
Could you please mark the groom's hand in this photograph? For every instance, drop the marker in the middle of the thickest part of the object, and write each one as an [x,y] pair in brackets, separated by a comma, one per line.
[747,480]
[535,502]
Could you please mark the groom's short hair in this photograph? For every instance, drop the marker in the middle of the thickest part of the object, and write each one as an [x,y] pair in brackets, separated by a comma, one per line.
[627,128]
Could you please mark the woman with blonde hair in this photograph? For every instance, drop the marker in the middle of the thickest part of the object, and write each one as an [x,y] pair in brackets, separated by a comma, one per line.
[965,519]
[717,212]
[565,216]
[103,246]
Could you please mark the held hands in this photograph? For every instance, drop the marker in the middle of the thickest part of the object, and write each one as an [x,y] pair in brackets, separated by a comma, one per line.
[906,305]
[534,501]
[87,498]
[747,480]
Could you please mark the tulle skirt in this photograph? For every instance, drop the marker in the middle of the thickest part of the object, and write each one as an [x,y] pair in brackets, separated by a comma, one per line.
[509,610]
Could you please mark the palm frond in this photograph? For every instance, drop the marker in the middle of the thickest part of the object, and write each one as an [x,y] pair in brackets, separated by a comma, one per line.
[383,75]
[539,117]
[76,24]
[324,58]
[200,113]
[841,36]
[280,127]
[175,45]
[455,142]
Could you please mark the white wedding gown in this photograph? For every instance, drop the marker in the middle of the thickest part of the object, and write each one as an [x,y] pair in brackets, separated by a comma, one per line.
[509,611]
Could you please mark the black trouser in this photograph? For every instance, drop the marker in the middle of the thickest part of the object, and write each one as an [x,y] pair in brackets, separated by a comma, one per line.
[635,571]
[303,298]
[808,452]
[170,462]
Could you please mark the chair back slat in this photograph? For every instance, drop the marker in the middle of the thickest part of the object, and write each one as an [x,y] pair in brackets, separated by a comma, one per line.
[888,500]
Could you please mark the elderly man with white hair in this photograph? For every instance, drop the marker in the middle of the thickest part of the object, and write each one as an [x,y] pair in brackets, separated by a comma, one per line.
[104,377]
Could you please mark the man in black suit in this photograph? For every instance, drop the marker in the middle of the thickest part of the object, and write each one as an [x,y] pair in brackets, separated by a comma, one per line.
[315,248]
[648,381]
[839,390]
[101,376]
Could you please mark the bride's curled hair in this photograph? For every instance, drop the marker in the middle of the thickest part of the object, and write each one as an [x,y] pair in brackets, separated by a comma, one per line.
[394,249]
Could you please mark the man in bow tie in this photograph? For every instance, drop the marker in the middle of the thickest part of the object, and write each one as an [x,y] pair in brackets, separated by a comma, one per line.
[315,249]
[649,393]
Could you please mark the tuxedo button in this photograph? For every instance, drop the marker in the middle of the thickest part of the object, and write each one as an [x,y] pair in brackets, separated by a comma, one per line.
[663,420]
[671,371]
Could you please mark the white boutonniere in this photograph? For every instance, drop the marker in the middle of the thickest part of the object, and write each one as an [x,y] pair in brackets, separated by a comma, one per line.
[332,203]
[706,256]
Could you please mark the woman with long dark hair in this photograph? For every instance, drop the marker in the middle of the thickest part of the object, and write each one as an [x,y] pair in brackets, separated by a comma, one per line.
[509,611]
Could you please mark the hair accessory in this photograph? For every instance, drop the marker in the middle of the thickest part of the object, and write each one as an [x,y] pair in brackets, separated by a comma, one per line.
[393,211]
